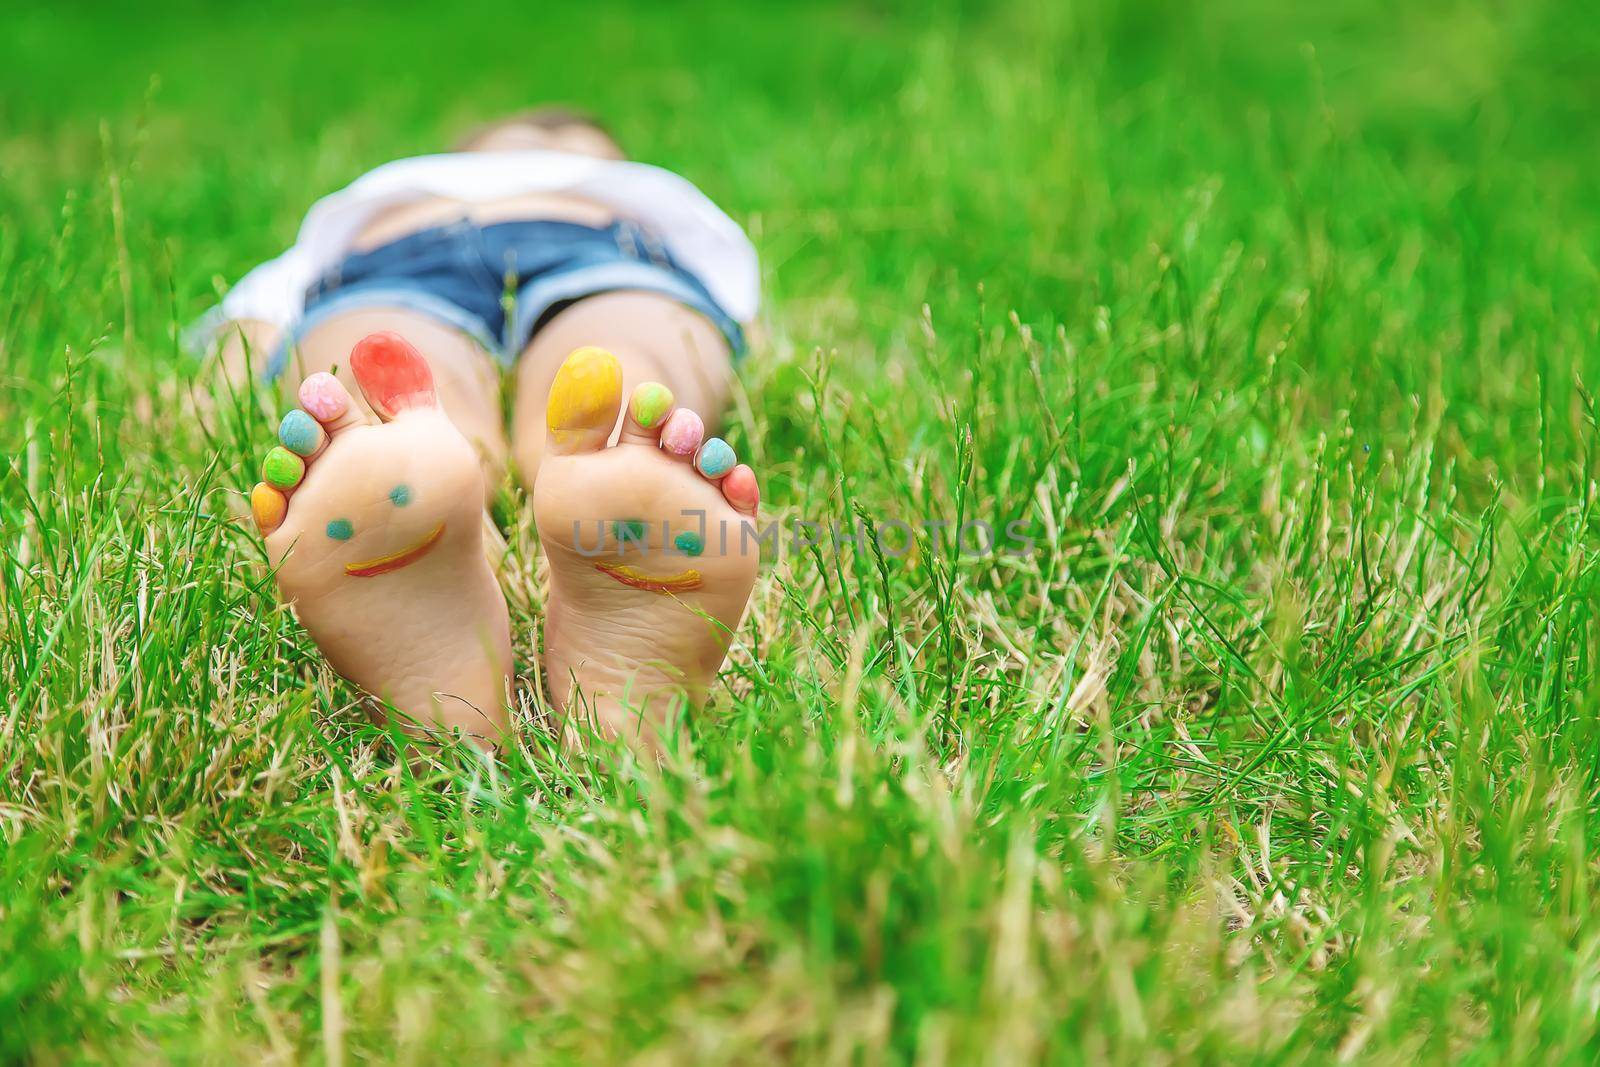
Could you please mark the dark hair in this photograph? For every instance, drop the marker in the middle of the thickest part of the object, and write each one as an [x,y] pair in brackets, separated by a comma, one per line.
[550,117]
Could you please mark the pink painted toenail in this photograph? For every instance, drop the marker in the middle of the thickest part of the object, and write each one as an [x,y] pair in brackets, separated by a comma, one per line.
[323,396]
[682,433]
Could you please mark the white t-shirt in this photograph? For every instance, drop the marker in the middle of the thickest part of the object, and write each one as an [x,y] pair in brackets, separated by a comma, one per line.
[699,235]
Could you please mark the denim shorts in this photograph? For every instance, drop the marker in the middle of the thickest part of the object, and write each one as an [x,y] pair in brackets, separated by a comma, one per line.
[501,282]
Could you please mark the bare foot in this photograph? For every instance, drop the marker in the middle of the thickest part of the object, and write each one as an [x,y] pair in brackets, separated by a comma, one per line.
[650,561]
[377,534]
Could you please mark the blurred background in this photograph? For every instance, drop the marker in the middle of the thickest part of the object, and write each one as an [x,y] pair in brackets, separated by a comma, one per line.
[1045,150]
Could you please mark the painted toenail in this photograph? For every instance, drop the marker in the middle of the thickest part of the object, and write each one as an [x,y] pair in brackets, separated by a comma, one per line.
[741,489]
[392,374]
[268,506]
[341,530]
[282,468]
[299,433]
[682,434]
[323,396]
[689,543]
[400,495]
[584,395]
[651,403]
[716,458]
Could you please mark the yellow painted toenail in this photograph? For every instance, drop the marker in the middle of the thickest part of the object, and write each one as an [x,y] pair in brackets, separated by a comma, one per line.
[585,394]
[268,506]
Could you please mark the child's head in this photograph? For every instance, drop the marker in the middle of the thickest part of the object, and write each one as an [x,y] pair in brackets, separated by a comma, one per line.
[557,129]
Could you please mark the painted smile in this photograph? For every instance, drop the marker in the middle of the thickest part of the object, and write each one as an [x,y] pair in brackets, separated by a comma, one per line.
[395,560]
[634,578]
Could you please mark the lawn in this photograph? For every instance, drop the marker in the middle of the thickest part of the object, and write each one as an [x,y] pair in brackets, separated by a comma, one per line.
[1276,332]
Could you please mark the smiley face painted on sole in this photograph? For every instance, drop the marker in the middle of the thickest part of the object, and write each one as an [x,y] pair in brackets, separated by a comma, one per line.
[345,501]
[378,508]
[342,529]
[369,512]
[653,550]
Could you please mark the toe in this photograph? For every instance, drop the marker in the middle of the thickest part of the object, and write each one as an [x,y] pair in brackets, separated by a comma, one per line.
[582,408]
[682,434]
[715,458]
[269,506]
[648,409]
[301,434]
[326,399]
[282,469]
[741,490]
[392,374]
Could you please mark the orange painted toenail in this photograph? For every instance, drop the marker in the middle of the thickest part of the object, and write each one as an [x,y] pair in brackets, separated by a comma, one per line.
[268,506]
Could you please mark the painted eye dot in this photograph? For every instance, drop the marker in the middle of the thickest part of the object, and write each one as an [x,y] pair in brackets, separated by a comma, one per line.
[689,543]
[341,530]
[629,531]
[400,495]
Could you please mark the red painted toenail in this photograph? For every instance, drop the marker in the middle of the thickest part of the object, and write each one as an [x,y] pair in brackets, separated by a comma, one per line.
[392,374]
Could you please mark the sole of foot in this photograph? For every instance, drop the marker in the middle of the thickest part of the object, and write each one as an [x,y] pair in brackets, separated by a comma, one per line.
[376,533]
[651,549]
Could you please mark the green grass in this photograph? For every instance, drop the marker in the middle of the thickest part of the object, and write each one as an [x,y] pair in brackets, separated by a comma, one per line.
[1280,330]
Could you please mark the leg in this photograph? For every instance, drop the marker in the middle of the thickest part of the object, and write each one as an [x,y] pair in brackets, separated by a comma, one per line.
[654,338]
[244,346]
[467,379]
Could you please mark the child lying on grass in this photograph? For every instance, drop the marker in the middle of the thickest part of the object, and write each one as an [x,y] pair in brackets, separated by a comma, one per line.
[537,250]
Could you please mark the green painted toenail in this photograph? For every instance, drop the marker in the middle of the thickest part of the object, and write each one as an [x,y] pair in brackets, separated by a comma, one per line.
[400,495]
[282,468]
[651,403]
[628,531]
[689,543]
[341,530]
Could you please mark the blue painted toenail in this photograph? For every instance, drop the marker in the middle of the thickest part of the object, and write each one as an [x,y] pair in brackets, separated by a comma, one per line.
[300,433]
[400,495]
[716,458]
[341,530]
